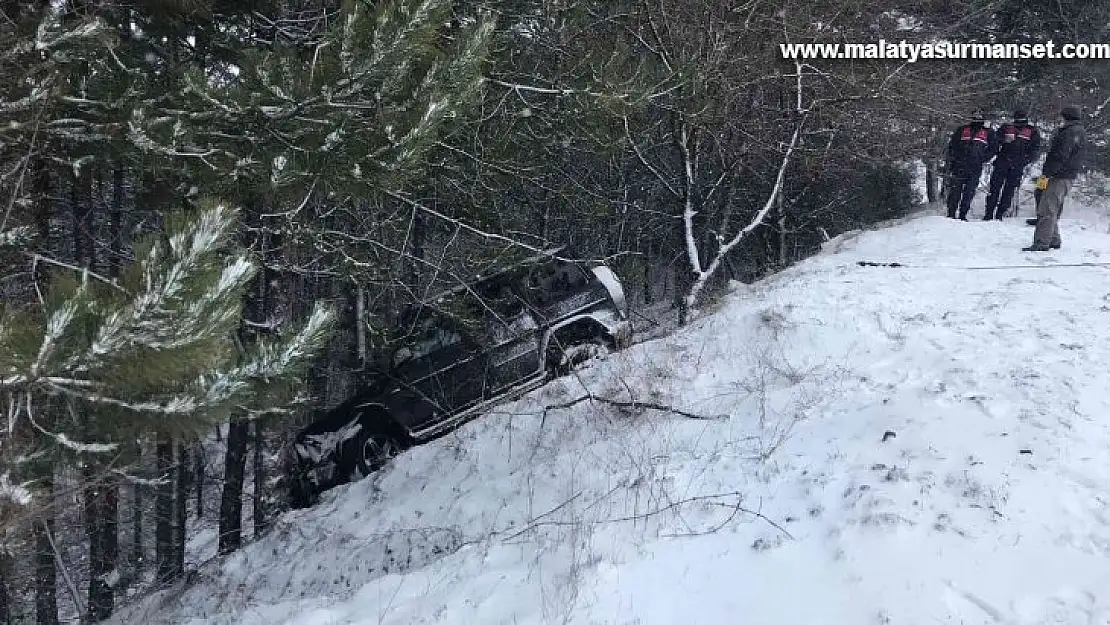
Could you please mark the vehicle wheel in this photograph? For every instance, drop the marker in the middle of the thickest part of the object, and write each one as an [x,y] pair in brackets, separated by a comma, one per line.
[373,450]
[563,360]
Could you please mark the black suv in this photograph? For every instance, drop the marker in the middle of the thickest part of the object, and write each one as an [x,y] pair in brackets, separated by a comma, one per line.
[458,354]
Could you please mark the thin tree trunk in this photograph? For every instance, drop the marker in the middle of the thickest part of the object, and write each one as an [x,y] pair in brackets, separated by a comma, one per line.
[181,514]
[101,508]
[932,180]
[44,207]
[163,511]
[198,478]
[231,499]
[137,531]
[780,223]
[115,220]
[360,324]
[46,569]
[261,497]
[84,251]
[93,519]
[683,279]
[6,568]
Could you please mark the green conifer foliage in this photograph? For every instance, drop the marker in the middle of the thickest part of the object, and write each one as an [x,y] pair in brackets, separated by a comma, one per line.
[153,352]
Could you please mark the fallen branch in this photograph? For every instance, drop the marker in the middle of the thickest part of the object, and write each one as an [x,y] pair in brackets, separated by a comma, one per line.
[737,508]
[631,405]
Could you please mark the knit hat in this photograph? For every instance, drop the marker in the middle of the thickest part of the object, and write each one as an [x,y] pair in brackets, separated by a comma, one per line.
[1020,115]
[1071,112]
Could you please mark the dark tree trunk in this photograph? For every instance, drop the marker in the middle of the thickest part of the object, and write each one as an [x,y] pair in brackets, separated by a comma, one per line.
[163,511]
[231,499]
[100,492]
[198,478]
[115,220]
[46,568]
[780,230]
[238,431]
[6,567]
[932,180]
[137,555]
[84,251]
[261,497]
[43,203]
[682,274]
[101,510]
[182,473]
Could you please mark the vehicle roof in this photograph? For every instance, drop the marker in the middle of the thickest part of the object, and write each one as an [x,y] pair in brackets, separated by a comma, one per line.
[545,256]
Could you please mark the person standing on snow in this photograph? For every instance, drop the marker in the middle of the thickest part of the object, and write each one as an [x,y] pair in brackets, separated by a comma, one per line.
[1066,155]
[971,145]
[1019,143]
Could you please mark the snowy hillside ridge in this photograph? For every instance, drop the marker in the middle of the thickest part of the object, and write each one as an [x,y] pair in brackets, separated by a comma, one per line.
[855,445]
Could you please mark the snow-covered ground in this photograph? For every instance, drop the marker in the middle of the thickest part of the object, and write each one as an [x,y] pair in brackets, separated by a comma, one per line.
[915,445]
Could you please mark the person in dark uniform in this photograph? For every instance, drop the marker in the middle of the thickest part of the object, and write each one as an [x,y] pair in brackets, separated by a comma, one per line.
[1019,143]
[971,145]
[1066,155]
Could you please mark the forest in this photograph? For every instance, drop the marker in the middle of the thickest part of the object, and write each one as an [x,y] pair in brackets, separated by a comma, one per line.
[211,210]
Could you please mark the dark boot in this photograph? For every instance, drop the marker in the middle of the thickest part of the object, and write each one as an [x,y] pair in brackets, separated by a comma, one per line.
[1035,248]
[1054,246]
[988,217]
[1031,222]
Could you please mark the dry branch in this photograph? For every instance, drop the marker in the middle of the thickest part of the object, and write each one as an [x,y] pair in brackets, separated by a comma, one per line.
[631,405]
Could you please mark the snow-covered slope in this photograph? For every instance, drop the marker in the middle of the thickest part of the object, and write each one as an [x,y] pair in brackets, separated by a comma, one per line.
[925,444]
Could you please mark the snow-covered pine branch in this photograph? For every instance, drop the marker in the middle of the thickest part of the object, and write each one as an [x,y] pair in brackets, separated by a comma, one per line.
[158,353]
[373,101]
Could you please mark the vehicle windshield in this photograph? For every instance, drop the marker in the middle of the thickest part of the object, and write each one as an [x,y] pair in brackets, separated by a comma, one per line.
[549,282]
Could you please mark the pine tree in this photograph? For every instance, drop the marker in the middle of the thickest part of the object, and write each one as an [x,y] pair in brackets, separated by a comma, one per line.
[153,352]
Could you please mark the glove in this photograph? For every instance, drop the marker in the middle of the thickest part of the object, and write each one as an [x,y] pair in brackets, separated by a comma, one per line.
[1042,183]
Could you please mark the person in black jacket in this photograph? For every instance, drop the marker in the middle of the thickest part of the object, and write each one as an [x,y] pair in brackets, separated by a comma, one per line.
[1019,143]
[971,145]
[1065,160]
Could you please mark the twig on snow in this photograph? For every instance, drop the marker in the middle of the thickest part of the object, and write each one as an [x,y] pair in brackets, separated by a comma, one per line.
[631,405]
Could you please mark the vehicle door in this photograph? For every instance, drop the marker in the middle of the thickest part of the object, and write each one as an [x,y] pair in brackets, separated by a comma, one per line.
[513,337]
[439,370]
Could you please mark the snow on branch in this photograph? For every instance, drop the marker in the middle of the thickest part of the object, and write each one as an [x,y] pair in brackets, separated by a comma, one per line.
[168,313]
[180,308]
[703,276]
[271,360]
[14,493]
[15,237]
[50,35]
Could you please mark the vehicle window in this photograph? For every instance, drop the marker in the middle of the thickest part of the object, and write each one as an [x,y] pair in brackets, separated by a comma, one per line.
[549,282]
[432,333]
[504,329]
[499,299]
[436,338]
